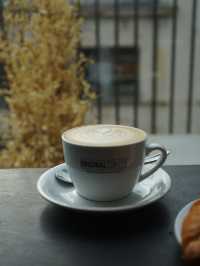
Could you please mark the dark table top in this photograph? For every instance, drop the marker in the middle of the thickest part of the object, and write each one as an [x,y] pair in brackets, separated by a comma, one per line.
[34,232]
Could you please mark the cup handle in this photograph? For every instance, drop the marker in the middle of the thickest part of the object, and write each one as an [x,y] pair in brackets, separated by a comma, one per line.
[149,148]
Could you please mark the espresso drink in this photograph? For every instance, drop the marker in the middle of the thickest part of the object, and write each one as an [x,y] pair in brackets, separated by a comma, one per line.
[105,161]
[104,135]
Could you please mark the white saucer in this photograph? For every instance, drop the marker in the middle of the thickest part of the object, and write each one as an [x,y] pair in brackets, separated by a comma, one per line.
[179,220]
[65,195]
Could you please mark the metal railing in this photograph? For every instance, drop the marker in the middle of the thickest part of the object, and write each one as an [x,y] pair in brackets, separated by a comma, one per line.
[134,13]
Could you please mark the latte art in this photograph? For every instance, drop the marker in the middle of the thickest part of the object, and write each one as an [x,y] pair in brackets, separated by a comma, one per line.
[104,135]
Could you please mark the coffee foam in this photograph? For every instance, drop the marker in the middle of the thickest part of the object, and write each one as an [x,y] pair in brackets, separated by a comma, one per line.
[104,135]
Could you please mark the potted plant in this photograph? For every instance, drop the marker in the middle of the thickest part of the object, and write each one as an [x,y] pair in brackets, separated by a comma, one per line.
[47,91]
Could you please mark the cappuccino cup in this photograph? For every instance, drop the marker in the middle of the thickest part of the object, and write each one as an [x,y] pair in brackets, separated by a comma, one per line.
[105,161]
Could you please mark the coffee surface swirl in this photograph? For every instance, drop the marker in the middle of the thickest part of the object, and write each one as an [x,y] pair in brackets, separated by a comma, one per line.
[104,135]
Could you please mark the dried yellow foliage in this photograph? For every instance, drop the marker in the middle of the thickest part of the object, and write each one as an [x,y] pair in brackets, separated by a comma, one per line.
[48,92]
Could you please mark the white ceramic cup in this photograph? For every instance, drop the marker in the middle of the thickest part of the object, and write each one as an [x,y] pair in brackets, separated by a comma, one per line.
[108,171]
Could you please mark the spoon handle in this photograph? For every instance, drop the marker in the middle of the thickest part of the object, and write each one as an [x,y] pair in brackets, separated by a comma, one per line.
[153,158]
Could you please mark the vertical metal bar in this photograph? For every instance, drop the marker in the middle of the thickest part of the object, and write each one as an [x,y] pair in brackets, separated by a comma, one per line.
[3,74]
[116,46]
[136,83]
[98,44]
[2,17]
[173,68]
[191,66]
[154,67]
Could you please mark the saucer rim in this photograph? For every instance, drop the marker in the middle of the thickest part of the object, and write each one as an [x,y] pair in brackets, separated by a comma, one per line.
[103,209]
[179,220]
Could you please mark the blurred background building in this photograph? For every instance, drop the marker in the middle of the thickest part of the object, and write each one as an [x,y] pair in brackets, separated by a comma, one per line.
[146,61]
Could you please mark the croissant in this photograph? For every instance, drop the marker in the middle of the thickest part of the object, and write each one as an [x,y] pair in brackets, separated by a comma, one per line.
[190,234]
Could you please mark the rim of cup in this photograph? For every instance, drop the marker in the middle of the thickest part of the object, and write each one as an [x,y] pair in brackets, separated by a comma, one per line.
[69,141]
